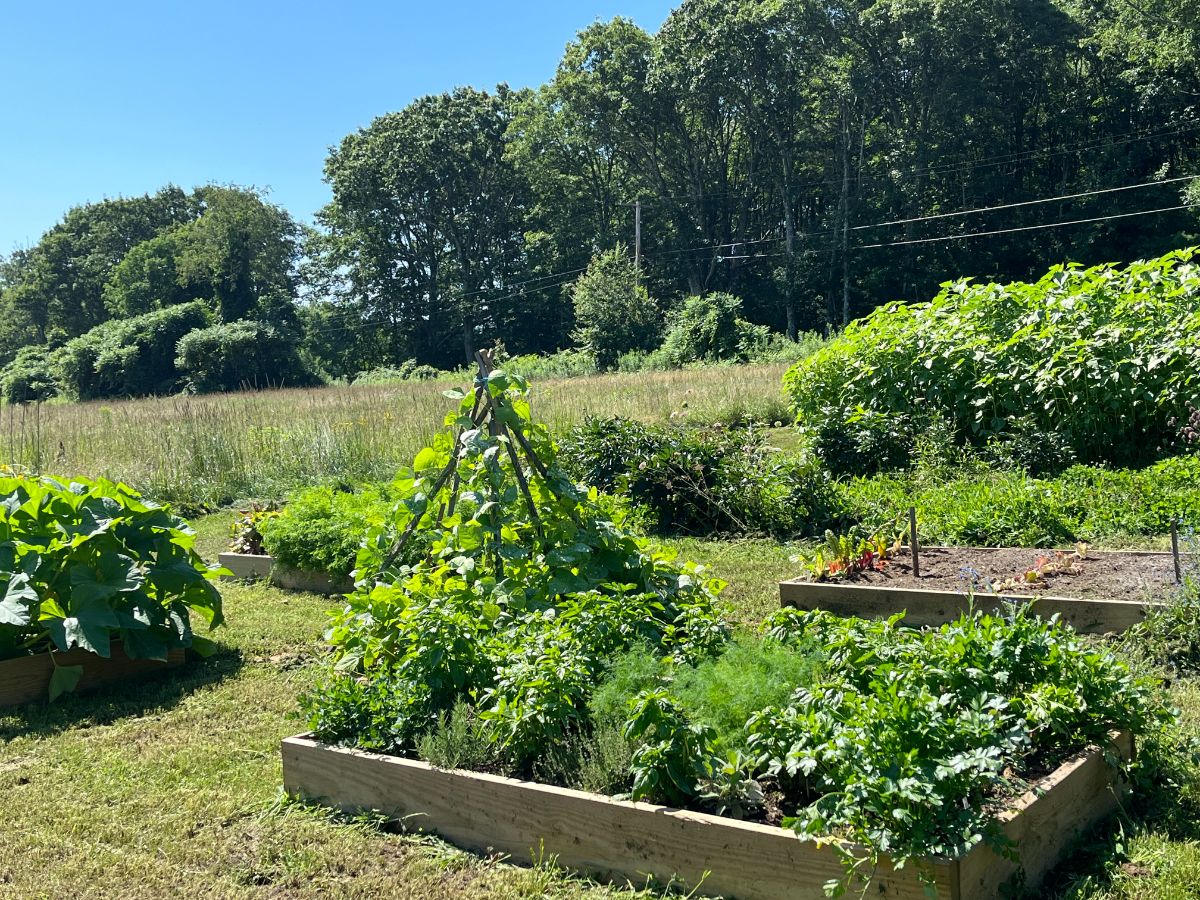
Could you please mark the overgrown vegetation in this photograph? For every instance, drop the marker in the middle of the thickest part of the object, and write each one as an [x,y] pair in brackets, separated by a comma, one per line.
[86,563]
[1098,360]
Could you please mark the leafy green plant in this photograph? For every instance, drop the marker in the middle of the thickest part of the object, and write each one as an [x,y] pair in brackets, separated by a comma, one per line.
[672,756]
[242,355]
[245,534]
[710,328]
[703,480]
[1102,357]
[320,529]
[522,590]
[87,563]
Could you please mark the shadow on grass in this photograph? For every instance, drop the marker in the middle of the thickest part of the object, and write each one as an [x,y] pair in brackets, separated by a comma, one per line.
[112,702]
[1166,802]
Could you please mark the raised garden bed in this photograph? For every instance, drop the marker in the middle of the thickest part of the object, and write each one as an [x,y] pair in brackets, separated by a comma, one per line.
[256,567]
[619,840]
[26,679]
[1111,591]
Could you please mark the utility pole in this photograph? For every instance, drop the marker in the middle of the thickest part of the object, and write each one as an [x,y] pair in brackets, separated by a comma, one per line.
[637,237]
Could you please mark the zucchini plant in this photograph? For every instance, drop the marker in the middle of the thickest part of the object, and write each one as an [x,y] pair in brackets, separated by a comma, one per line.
[87,563]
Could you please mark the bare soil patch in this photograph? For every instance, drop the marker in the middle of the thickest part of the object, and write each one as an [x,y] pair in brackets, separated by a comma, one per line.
[1096,576]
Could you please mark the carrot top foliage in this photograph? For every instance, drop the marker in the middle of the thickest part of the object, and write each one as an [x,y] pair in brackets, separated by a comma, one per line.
[1100,359]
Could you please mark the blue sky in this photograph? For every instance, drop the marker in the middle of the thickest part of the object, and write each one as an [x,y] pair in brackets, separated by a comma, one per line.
[104,99]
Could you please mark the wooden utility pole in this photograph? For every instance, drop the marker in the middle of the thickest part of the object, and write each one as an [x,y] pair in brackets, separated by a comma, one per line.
[637,237]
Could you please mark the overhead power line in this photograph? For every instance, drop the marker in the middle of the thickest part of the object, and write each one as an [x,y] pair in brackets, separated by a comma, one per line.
[975,234]
[1048,152]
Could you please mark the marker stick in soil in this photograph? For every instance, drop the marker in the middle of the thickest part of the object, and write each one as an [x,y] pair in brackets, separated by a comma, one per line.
[1175,550]
[916,544]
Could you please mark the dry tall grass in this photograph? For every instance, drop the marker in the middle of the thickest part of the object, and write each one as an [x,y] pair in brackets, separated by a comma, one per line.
[212,450]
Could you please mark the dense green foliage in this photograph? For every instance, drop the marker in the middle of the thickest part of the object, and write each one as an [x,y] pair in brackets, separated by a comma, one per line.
[29,378]
[106,264]
[1102,358]
[984,506]
[241,355]
[128,357]
[320,529]
[711,329]
[901,744]
[763,140]
[89,562]
[701,481]
[525,589]
[613,312]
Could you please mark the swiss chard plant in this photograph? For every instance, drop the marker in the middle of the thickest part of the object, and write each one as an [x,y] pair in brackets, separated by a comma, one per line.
[89,563]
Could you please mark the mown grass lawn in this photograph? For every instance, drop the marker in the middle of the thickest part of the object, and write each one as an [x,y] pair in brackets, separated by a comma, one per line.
[172,787]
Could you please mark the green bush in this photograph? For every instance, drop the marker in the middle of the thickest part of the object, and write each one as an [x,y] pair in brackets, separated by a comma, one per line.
[711,329]
[1102,358]
[321,529]
[234,356]
[29,378]
[703,481]
[409,370]
[613,313]
[976,504]
[86,563]
[129,357]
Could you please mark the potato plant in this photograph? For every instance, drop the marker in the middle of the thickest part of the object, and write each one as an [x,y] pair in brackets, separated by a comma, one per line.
[87,563]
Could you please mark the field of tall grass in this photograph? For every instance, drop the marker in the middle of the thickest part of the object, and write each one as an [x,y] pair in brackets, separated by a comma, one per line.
[210,451]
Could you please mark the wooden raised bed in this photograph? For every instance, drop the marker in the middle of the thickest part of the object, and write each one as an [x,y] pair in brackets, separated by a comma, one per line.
[619,840]
[27,678]
[255,567]
[930,608]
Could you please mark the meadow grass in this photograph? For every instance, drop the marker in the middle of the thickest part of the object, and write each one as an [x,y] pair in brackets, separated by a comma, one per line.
[173,785]
[209,451]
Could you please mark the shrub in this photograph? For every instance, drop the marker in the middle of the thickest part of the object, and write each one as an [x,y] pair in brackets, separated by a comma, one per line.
[89,562]
[976,504]
[129,357]
[613,313]
[29,378]
[1103,358]
[702,481]
[710,329]
[409,370]
[235,356]
[320,529]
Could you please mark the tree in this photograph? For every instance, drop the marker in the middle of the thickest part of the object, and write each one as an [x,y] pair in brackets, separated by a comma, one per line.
[613,313]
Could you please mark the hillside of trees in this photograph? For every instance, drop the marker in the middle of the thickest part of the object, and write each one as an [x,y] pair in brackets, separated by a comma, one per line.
[803,161]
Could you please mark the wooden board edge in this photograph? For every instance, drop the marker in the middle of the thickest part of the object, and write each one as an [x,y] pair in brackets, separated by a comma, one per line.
[26,679]
[925,607]
[1047,821]
[614,839]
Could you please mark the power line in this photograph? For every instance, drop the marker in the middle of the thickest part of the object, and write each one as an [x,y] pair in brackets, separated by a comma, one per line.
[949,167]
[983,209]
[937,216]
[974,234]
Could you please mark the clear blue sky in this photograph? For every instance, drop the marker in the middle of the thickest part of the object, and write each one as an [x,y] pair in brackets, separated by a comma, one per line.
[107,99]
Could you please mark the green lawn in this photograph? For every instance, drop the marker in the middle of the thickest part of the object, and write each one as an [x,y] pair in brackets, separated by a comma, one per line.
[172,786]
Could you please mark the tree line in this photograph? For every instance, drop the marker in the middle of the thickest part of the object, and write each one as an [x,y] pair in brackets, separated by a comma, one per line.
[809,158]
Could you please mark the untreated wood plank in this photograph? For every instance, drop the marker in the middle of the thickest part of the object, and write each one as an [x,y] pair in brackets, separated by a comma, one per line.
[246,565]
[612,839]
[253,566]
[1045,823]
[27,678]
[925,608]
[625,841]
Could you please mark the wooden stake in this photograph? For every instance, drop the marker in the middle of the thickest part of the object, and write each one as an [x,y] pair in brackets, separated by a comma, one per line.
[1175,550]
[914,542]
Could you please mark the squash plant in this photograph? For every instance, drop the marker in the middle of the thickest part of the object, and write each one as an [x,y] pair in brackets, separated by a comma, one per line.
[86,563]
